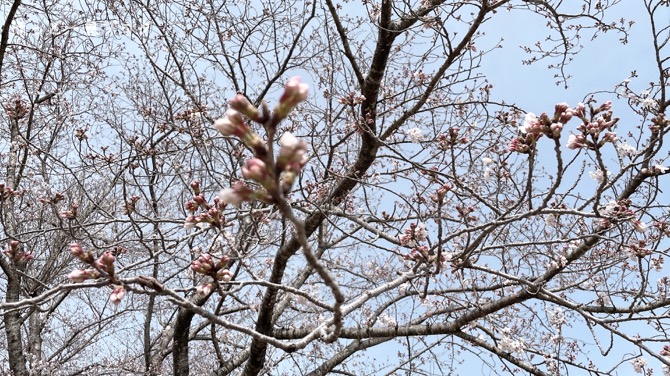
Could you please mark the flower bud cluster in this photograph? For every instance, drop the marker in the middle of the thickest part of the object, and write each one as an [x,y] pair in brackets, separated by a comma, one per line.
[413,235]
[423,254]
[208,214]
[129,206]
[596,128]
[420,253]
[70,214]
[451,139]
[7,192]
[438,196]
[262,169]
[534,128]
[58,197]
[15,253]
[103,265]
[218,271]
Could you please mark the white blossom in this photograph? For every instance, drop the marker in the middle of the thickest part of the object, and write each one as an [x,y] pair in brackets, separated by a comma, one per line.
[598,175]
[625,150]
[638,364]
[528,121]
[387,320]
[648,103]
[609,209]
[659,169]
[550,220]
[509,344]
[415,135]
[556,317]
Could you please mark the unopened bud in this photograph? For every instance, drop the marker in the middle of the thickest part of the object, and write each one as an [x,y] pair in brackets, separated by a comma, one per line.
[295,92]
[241,103]
[204,290]
[255,169]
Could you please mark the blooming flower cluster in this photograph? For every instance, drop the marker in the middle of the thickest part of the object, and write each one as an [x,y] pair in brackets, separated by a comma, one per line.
[624,150]
[70,214]
[509,344]
[415,135]
[598,175]
[556,317]
[206,266]
[273,177]
[413,235]
[618,211]
[637,249]
[638,364]
[103,266]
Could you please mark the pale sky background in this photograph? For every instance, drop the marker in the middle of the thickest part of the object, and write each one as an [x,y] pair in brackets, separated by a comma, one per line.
[601,65]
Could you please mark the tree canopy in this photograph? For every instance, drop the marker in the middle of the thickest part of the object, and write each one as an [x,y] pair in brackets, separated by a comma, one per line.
[312,187]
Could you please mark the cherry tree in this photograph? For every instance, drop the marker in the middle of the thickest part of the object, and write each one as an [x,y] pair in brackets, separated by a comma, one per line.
[321,187]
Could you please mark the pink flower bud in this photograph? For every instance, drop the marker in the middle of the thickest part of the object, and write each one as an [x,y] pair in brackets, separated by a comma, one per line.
[639,226]
[231,124]
[224,275]
[576,141]
[199,199]
[610,137]
[295,92]
[76,250]
[107,259]
[561,107]
[204,290]
[78,276]
[117,294]
[292,152]
[223,262]
[103,263]
[202,264]
[195,185]
[255,169]
[565,117]
[605,106]
[241,103]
